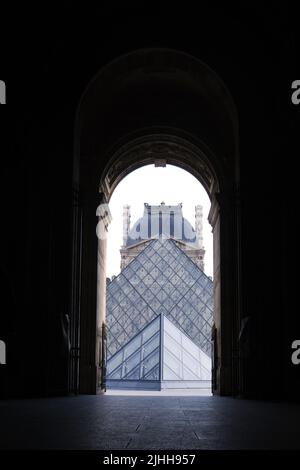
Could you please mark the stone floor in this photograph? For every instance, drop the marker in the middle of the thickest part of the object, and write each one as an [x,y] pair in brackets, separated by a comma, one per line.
[148,422]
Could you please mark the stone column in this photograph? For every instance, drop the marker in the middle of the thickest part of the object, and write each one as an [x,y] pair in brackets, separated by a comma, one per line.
[223,218]
[104,219]
[126,223]
[199,224]
[214,220]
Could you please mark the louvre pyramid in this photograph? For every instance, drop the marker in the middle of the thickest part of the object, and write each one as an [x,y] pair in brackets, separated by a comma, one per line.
[160,356]
[161,280]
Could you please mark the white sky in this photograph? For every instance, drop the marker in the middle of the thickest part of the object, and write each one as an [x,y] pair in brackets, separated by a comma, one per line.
[154,185]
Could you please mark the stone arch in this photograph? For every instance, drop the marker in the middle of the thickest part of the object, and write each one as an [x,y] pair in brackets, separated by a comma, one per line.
[156,106]
[161,146]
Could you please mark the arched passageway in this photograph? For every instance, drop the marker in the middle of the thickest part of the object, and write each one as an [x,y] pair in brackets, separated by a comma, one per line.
[154,106]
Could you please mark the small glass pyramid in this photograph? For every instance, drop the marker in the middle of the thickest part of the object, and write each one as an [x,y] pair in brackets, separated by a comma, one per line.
[160,356]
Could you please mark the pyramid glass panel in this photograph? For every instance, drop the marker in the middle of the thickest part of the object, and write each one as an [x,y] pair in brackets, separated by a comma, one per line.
[183,357]
[140,355]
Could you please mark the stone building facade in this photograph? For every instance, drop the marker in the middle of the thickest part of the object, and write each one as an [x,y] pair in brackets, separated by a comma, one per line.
[162,222]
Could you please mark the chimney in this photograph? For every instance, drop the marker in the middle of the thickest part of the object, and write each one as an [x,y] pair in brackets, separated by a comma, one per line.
[126,223]
[199,225]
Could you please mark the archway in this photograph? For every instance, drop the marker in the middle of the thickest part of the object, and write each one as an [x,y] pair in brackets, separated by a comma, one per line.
[164,107]
[159,238]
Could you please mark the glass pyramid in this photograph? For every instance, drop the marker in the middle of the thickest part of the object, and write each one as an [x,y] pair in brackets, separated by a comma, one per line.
[161,280]
[160,356]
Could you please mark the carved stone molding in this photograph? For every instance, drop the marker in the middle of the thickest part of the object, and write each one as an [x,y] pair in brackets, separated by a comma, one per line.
[162,148]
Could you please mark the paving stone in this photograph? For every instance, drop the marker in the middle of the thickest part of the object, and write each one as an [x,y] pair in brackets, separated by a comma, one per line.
[139,422]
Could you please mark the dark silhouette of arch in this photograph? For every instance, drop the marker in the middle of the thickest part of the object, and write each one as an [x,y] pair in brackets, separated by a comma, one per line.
[145,106]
